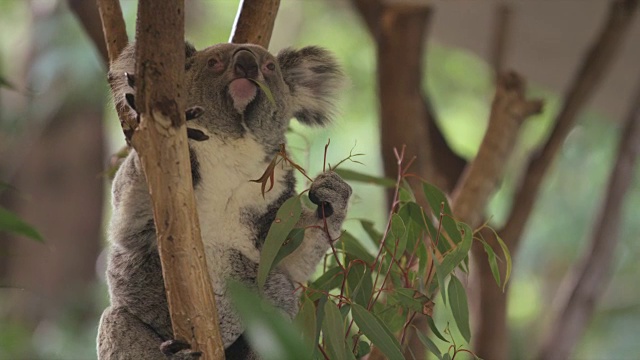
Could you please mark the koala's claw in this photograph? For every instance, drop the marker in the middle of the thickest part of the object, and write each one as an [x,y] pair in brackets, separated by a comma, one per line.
[131,79]
[330,193]
[194,112]
[131,101]
[179,350]
[324,208]
[190,114]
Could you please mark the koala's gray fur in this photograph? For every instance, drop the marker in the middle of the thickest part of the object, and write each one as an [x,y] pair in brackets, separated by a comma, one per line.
[240,132]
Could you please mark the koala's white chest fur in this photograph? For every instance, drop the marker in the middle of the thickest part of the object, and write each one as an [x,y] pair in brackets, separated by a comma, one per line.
[225,194]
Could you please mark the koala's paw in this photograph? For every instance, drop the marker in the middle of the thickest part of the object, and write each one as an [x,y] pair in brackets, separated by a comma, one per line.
[179,350]
[330,193]
[190,114]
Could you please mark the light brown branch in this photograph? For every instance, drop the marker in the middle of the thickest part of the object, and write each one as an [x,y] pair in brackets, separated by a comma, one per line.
[161,138]
[115,37]
[596,63]
[113,27]
[582,288]
[87,13]
[482,176]
[254,22]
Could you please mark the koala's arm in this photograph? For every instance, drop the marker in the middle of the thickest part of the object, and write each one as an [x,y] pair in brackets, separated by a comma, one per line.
[331,194]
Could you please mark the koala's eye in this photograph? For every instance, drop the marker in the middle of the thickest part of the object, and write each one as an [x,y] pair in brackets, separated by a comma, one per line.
[212,62]
[271,66]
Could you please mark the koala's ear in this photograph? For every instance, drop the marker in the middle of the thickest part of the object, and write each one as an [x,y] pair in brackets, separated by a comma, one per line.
[314,78]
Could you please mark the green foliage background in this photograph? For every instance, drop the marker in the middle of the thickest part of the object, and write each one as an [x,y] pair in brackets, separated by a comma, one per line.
[460,85]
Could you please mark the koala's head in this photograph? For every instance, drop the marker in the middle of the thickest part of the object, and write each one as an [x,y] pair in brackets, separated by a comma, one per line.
[222,79]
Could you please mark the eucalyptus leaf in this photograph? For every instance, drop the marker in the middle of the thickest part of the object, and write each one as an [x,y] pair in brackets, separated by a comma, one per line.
[493,262]
[430,345]
[334,333]
[434,329]
[292,242]
[265,89]
[377,332]
[435,197]
[269,333]
[306,322]
[286,218]
[369,228]
[360,283]
[11,223]
[459,307]
[351,175]
[352,246]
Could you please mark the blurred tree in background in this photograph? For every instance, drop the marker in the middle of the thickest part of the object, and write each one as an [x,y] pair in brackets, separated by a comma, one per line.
[58,131]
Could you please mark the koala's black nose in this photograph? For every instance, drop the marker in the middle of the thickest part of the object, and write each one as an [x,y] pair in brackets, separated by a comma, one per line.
[246,64]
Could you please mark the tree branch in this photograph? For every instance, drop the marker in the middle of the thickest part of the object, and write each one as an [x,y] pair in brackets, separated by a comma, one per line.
[161,138]
[582,288]
[482,176]
[596,63]
[89,17]
[113,27]
[115,37]
[254,22]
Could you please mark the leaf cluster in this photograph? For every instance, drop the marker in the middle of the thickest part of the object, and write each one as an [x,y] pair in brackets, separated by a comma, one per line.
[365,300]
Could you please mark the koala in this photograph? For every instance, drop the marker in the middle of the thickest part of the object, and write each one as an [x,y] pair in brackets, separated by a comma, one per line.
[234,132]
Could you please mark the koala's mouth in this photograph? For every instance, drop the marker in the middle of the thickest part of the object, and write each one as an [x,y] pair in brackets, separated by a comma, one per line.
[242,91]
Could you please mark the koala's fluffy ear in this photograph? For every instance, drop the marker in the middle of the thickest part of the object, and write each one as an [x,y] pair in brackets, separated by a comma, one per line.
[314,78]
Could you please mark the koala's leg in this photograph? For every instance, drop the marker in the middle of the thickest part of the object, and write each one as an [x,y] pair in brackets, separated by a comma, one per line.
[123,336]
[331,194]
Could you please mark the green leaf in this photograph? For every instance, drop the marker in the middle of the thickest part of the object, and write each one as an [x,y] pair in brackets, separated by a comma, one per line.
[377,332]
[430,345]
[306,322]
[459,307]
[440,276]
[356,176]
[435,197]
[399,232]
[507,257]
[269,333]
[352,246]
[334,334]
[320,316]
[434,329]
[265,89]
[457,255]
[11,223]
[4,83]
[374,234]
[409,299]
[360,283]
[363,348]
[286,218]
[493,262]
[389,315]
[293,241]
[331,279]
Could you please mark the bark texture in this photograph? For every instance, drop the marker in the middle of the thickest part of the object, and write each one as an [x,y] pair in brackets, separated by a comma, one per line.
[254,22]
[161,143]
[481,178]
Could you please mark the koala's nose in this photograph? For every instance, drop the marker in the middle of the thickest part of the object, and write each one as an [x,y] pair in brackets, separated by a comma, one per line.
[246,64]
